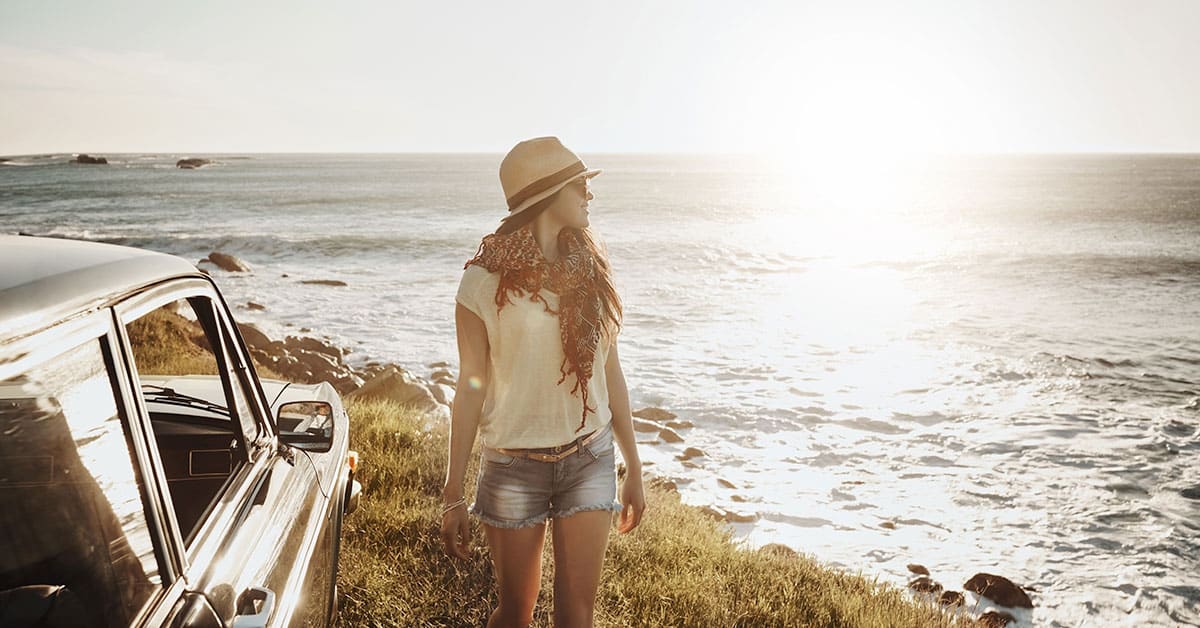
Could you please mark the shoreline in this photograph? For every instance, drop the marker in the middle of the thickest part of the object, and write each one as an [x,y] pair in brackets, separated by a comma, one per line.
[310,359]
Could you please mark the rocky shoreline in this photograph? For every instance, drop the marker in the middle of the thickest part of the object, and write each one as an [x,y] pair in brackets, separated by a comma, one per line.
[307,359]
[310,360]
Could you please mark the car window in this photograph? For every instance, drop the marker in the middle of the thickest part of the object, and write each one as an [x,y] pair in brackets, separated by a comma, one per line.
[176,340]
[76,546]
[200,412]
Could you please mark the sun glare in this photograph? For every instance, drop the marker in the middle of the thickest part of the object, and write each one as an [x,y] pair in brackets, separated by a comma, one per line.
[855,210]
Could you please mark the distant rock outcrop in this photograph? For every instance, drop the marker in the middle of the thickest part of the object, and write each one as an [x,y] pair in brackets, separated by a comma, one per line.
[996,619]
[396,384]
[191,163]
[669,435]
[654,414]
[84,158]
[640,425]
[925,584]
[305,360]
[999,589]
[323,282]
[227,262]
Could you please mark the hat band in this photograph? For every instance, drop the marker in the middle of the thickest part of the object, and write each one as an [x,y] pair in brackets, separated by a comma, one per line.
[545,183]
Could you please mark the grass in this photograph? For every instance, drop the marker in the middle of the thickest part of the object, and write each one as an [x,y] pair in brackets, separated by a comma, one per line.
[167,343]
[679,568]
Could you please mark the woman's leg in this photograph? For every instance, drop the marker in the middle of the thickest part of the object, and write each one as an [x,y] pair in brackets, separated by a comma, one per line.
[579,544]
[517,560]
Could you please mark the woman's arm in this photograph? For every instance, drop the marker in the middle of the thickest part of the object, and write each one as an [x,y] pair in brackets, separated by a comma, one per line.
[632,496]
[464,424]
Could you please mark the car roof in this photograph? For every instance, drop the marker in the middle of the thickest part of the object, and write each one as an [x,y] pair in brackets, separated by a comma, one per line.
[43,280]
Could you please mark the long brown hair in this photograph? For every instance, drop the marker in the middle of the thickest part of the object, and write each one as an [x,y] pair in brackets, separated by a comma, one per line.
[613,311]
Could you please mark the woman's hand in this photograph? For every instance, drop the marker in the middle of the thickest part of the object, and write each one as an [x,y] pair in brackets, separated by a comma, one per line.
[633,502]
[456,532]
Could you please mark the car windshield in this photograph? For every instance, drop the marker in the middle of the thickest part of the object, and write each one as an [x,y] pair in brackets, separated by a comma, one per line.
[162,394]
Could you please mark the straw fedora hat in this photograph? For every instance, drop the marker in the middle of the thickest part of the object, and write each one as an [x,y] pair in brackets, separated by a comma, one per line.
[535,169]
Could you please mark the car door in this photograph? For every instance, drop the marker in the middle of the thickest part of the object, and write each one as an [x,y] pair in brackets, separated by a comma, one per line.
[244,518]
[82,541]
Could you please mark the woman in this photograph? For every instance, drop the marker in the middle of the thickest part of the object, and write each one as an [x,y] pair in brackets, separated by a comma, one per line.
[540,380]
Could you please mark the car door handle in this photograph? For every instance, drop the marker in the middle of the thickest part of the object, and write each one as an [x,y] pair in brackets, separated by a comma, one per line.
[247,617]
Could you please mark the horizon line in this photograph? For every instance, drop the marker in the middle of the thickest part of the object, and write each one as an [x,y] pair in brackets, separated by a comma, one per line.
[742,154]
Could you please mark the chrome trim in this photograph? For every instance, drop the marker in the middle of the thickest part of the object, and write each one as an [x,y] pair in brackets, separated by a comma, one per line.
[259,618]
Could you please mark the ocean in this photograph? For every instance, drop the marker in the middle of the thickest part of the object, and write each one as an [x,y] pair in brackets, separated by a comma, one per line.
[986,363]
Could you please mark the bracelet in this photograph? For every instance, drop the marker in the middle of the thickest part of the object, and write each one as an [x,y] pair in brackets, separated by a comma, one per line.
[462,501]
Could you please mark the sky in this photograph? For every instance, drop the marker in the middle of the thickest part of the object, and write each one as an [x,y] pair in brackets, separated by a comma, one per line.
[773,78]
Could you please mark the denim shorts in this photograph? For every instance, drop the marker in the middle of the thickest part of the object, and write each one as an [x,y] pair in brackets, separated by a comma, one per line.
[517,492]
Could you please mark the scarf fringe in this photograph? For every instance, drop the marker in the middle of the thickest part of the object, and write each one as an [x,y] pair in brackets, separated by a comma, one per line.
[524,270]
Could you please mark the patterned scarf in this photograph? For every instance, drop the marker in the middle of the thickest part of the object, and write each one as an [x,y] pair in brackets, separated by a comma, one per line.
[524,270]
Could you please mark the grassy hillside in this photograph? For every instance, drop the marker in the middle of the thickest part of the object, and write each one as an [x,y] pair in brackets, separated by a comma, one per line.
[679,568]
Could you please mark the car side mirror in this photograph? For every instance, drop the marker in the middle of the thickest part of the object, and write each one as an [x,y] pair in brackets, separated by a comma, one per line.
[306,425]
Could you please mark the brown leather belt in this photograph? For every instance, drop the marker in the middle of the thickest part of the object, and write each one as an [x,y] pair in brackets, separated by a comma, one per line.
[560,452]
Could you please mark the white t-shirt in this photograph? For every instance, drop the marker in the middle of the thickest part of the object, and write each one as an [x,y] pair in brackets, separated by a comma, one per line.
[524,405]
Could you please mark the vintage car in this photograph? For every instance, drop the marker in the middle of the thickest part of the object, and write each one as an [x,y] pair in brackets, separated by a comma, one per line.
[148,476]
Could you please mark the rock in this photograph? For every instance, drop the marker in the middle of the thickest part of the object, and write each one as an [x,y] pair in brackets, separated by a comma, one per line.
[640,425]
[679,425]
[713,512]
[440,365]
[998,589]
[84,158]
[739,499]
[285,275]
[318,362]
[443,393]
[654,414]
[227,262]
[689,453]
[306,330]
[924,585]
[996,619]
[306,343]
[649,441]
[778,549]
[920,570]
[726,483]
[323,282]
[254,337]
[1191,493]
[740,517]
[688,464]
[441,374]
[395,384]
[447,381]
[258,307]
[951,598]
[191,163]
[347,383]
[888,524]
[669,435]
